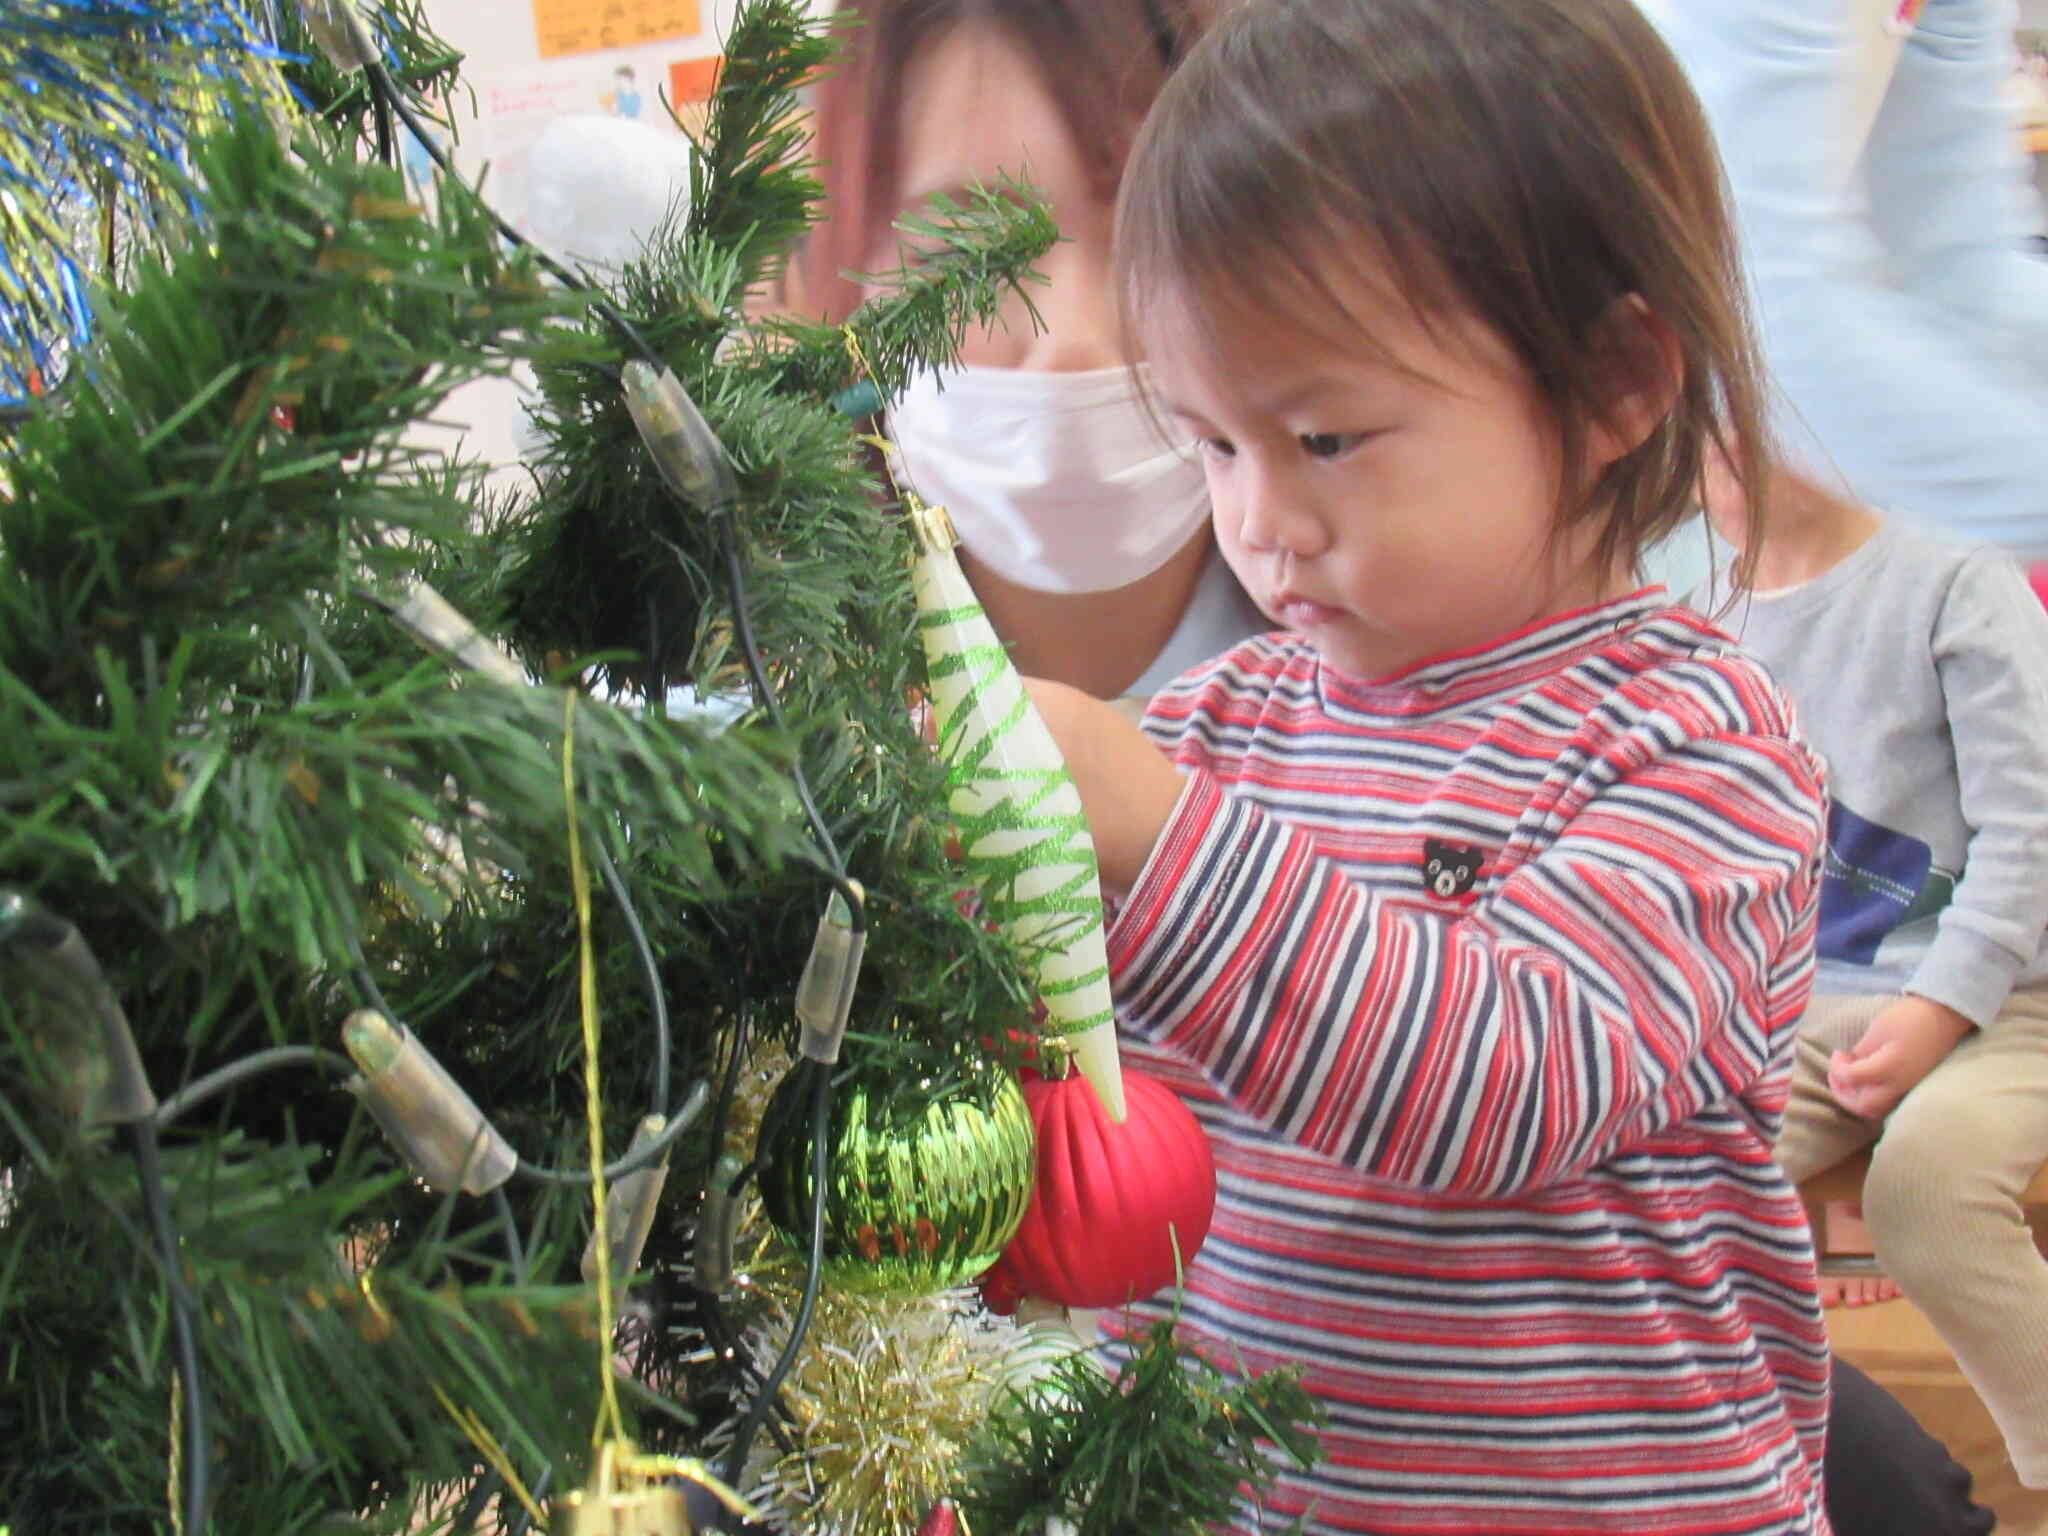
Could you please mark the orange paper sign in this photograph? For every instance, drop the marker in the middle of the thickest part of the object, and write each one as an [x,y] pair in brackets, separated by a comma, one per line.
[582,26]
[693,79]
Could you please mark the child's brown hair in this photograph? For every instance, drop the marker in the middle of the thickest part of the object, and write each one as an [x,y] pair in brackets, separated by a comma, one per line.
[1531,163]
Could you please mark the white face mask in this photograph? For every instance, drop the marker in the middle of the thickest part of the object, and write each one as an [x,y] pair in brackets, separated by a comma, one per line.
[1059,482]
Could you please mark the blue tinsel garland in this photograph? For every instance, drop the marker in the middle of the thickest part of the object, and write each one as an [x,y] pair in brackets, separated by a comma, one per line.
[98,99]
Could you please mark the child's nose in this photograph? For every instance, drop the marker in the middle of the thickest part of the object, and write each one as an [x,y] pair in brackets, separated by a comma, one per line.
[1270,520]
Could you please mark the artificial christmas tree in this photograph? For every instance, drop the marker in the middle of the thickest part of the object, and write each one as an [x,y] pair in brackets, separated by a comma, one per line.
[321,769]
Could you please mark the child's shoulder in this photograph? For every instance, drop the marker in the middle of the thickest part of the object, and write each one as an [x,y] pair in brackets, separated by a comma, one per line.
[1676,633]
[1930,583]
[1931,558]
[1678,669]
[1256,662]
[1968,573]
[1247,675]
[1674,693]
[1638,664]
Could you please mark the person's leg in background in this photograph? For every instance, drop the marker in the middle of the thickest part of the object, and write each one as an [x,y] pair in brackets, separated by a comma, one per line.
[1885,1475]
[1882,386]
[1942,1200]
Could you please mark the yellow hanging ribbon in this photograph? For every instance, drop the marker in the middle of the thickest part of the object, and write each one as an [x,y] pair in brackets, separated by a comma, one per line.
[176,1490]
[487,1446]
[863,369]
[586,968]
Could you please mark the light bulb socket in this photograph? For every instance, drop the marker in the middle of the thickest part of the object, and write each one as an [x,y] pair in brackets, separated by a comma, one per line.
[687,452]
[717,1228]
[629,1207]
[433,621]
[339,31]
[434,1125]
[106,1083]
[824,993]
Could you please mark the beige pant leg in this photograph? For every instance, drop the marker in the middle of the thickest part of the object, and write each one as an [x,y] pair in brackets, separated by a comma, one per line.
[1818,1132]
[1942,1203]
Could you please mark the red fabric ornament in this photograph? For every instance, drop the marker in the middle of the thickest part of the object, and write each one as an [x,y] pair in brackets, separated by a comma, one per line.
[1112,1204]
[944,1520]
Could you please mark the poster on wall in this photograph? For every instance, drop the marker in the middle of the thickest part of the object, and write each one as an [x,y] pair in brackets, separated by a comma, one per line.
[579,122]
[585,26]
[584,155]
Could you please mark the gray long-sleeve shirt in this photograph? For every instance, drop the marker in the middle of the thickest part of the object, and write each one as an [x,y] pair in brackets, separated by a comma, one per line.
[1920,672]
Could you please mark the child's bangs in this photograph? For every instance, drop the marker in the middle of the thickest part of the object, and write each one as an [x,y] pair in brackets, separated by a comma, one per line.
[1231,283]
[1245,202]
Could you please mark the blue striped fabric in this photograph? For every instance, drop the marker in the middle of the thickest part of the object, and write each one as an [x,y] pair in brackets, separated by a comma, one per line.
[1493,1141]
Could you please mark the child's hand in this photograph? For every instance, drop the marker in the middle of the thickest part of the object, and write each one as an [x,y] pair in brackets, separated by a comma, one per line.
[1901,1045]
[1127,786]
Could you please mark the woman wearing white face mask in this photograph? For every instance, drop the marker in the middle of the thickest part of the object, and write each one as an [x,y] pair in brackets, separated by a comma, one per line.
[1084,532]
[1072,507]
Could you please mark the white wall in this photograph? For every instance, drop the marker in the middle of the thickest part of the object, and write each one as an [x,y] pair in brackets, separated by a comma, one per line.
[508,96]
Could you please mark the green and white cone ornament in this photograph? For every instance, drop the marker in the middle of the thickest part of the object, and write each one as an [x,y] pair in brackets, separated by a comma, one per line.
[1019,816]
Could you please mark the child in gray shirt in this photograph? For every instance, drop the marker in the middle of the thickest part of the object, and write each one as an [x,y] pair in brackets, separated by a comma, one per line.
[1920,672]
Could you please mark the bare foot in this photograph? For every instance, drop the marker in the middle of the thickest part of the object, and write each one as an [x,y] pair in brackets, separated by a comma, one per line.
[1856,1290]
[1849,1274]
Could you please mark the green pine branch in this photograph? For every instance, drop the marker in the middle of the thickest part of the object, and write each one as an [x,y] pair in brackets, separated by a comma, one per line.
[225,764]
[258,800]
[1164,1445]
[961,262]
[752,192]
[419,61]
[326,1375]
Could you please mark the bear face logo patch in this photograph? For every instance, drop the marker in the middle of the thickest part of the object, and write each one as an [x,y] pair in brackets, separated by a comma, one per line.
[1449,869]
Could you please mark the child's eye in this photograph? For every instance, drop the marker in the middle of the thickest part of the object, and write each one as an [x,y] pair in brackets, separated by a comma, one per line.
[1217,447]
[1330,445]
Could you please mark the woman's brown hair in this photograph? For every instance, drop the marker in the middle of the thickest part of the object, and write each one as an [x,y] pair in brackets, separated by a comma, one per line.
[1529,163]
[1102,61]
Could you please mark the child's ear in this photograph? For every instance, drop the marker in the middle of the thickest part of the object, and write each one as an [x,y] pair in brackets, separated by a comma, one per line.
[1639,370]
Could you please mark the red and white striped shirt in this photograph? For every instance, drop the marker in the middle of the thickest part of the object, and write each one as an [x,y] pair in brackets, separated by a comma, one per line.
[1493,1134]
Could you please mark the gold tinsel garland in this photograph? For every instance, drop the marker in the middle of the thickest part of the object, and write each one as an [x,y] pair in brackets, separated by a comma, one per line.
[886,1395]
[886,1391]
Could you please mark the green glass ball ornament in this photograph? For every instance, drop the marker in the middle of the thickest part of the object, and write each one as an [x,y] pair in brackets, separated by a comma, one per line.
[926,1181]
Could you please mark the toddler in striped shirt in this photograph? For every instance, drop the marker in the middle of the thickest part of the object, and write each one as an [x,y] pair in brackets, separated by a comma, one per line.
[1473,911]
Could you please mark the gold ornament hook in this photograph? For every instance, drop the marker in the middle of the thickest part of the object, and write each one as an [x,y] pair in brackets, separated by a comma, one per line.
[634,1495]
